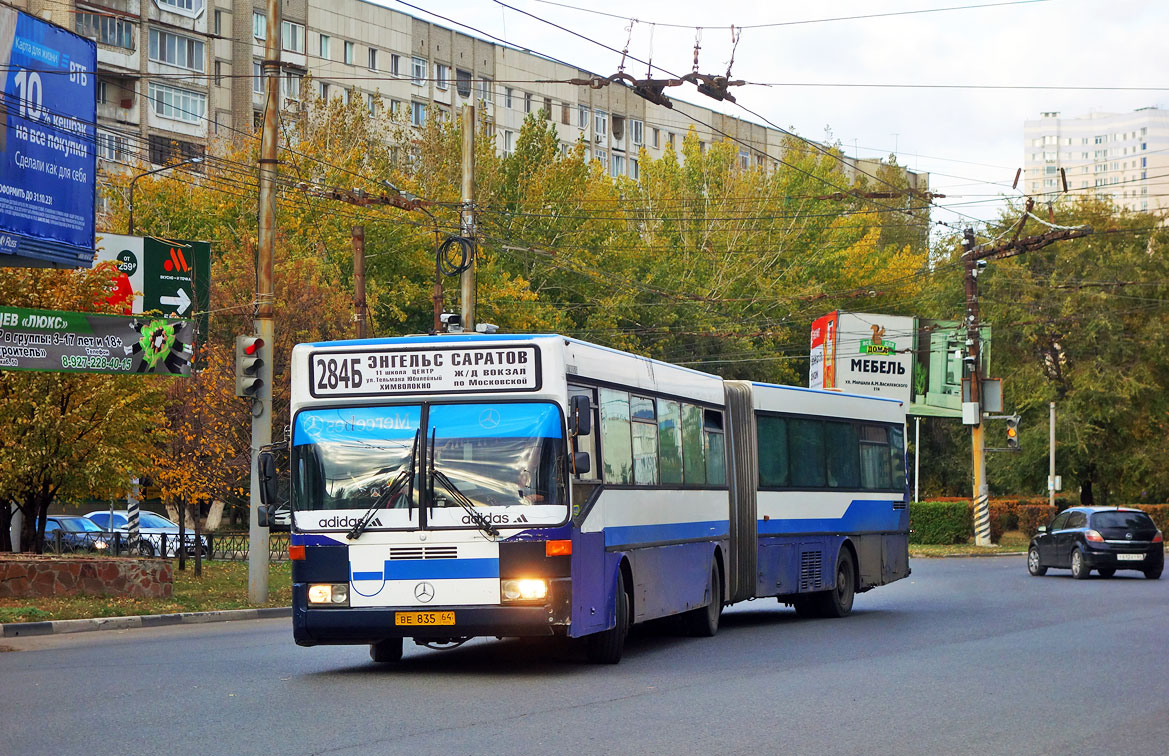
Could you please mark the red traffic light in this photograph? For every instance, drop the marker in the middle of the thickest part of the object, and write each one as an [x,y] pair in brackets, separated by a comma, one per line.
[253,346]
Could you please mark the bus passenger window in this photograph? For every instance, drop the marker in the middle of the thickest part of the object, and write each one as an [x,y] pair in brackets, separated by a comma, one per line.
[843,459]
[693,459]
[715,447]
[897,458]
[806,447]
[645,441]
[772,446]
[616,444]
[670,441]
[875,458]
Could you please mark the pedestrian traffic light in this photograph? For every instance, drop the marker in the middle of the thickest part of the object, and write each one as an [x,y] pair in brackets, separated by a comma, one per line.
[1013,432]
[249,358]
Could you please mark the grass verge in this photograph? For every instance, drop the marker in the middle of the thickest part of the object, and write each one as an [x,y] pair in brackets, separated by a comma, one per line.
[224,585]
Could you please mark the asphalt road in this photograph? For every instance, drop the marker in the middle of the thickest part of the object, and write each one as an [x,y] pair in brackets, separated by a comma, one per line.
[967,656]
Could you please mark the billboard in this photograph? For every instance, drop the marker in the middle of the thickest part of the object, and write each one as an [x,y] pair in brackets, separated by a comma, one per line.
[47,156]
[864,353]
[160,275]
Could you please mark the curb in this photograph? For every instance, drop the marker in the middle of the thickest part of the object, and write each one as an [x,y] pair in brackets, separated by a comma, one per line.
[57,627]
[974,555]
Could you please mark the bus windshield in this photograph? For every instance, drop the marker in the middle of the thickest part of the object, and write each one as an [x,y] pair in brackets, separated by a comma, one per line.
[492,454]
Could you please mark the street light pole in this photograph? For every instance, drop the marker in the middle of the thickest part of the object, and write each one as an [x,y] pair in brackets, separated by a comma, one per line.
[188,161]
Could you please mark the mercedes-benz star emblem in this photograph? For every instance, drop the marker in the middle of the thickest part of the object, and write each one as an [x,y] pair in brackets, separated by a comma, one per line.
[489,418]
[1128,536]
[424,592]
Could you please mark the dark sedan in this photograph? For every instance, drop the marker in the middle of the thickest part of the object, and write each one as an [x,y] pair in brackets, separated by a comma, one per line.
[64,533]
[1105,539]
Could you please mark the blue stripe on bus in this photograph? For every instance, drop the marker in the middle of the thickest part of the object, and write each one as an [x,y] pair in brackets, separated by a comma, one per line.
[433,569]
[310,539]
[666,532]
[862,515]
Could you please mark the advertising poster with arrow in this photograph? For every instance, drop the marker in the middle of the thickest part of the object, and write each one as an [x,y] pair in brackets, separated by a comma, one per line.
[169,276]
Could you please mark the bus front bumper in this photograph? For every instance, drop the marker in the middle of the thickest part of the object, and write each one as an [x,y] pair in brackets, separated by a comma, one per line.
[315,627]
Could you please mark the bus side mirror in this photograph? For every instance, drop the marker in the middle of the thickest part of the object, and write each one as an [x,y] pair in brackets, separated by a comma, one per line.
[580,415]
[276,517]
[580,463]
[266,467]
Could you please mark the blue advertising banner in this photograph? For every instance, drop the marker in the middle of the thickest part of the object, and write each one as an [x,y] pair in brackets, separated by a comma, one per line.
[47,156]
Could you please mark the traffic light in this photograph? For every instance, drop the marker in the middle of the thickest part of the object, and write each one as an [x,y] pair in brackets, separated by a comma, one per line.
[1013,433]
[249,357]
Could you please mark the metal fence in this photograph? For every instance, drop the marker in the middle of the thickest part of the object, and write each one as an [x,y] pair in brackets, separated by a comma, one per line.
[223,546]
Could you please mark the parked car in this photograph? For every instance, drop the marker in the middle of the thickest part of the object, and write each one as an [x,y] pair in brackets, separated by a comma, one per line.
[1105,539]
[68,533]
[154,532]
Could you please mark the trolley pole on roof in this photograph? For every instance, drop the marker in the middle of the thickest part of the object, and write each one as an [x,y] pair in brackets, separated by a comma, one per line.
[265,296]
[467,281]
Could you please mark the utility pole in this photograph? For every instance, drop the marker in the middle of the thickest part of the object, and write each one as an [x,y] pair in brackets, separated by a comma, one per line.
[1051,454]
[358,235]
[467,281]
[264,326]
[975,259]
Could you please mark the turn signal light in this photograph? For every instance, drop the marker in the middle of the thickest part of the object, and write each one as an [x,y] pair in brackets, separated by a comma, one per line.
[296,552]
[557,548]
[1094,536]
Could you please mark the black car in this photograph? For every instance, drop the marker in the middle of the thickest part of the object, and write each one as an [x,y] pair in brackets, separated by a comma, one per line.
[1105,539]
[66,533]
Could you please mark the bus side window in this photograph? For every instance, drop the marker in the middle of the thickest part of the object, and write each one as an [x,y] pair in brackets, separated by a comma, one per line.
[645,441]
[670,441]
[843,456]
[616,441]
[806,447]
[772,444]
[693,458]
[897,458]
[714,445]
[875,454]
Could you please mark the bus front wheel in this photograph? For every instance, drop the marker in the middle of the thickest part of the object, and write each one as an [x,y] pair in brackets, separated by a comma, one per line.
[386,651]
[607,646]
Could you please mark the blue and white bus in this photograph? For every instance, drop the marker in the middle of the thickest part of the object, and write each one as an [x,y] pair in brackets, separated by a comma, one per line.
[454,486]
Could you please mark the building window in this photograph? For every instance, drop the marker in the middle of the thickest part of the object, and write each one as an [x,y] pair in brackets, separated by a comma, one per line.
[617,165]
[111,146]
[636,131]
[442,76]
[185,7]
[463,82]
[602,158]
[218,22]
[565,113]
[485,90]
[634,169]
[290,85]
[601,123]
[176,50]
[548,108]
[527,102]
[670,138]
[218,73]
[618,127]
[107,30]
[348,52]
[417,71]
[164,150]
[323,89]
[507,98]
[417,113]
[508,143]
[324,48]
[259,25]
[373,59]
[257,77]
[397,107]
[102,94]
[395,64]
[656,137]
[292,37]
[582,117]
[177,104]
[371,103]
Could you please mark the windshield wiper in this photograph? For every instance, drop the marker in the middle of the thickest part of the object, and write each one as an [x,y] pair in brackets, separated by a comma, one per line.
[387,496]
[461,499]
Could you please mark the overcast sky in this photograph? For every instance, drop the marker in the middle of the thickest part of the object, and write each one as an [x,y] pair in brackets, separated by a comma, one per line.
[969,139]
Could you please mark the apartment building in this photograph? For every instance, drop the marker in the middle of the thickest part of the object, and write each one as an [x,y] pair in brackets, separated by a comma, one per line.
[1123,156]
[176,75]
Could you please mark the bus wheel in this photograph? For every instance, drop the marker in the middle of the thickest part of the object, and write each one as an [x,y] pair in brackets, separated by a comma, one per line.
[703,621]
[837,602]
[386,651]
[606,646]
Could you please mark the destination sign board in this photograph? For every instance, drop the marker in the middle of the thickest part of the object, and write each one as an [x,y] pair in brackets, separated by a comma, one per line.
[439,370]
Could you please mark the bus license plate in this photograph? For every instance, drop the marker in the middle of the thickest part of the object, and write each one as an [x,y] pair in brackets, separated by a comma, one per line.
[424,618]
[1130,557]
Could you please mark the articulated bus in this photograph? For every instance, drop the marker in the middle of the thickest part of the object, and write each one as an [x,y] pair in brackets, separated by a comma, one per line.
[455,486]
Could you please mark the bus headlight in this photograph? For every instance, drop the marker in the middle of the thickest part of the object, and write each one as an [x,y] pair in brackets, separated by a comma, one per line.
[523,589]
[328,594]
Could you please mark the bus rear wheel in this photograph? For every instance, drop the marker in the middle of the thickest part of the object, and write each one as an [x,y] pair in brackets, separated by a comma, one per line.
[703,622]
[386,651]
[837,602]
[607,646]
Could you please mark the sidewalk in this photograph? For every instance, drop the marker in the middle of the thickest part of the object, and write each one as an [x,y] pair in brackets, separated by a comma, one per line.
[18,629]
